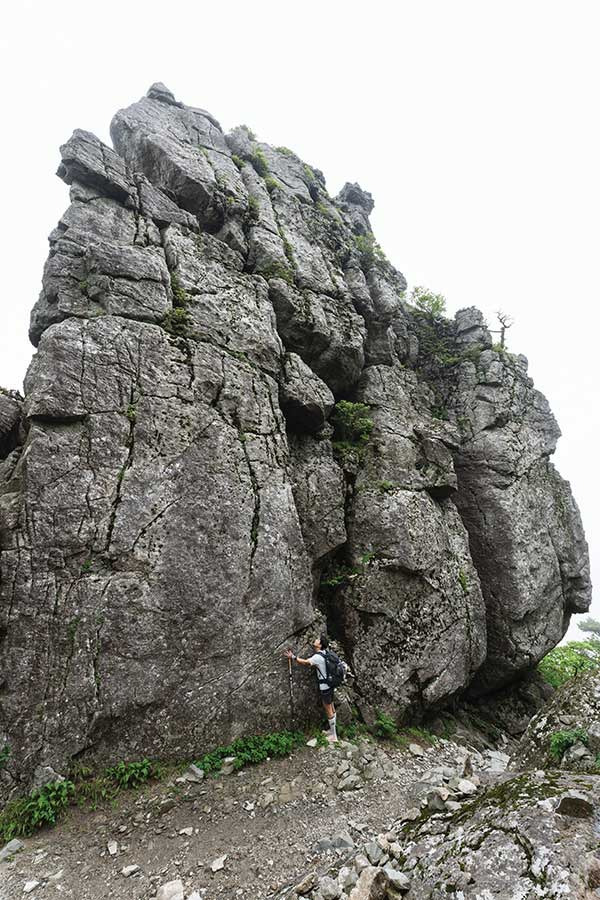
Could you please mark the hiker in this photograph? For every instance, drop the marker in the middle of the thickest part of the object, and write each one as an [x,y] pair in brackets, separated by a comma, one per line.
[319,661]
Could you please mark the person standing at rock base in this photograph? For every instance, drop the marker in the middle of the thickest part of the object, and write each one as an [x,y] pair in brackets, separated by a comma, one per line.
[318,660]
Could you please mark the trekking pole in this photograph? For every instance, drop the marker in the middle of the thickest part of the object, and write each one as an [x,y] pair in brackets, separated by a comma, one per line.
[291,691]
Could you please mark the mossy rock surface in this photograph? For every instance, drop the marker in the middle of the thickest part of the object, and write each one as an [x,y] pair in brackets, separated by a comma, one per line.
[527,836]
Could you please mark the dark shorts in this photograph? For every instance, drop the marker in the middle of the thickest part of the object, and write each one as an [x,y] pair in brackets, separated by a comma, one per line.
[326,696]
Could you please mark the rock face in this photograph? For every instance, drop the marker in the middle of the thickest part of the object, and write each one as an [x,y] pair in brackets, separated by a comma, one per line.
[180,498]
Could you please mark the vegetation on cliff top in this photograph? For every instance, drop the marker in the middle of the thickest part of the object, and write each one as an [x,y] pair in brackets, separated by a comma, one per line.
[564,662]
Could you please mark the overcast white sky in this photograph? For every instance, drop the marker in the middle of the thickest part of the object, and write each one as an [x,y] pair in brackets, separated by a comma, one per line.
[474,124]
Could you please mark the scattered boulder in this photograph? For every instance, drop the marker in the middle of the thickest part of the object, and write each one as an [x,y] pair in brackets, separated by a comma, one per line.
[128,871]
[9,850]
[193,774]
[218,863]
[172,890]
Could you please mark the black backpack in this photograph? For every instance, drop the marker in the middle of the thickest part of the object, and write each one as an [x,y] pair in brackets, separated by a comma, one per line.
[336,669]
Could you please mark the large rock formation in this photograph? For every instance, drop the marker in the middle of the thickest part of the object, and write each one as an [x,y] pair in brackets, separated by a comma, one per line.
[173,492]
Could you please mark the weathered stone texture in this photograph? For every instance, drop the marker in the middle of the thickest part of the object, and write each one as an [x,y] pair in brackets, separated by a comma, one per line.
[530,836]
[172,489]
[524,527]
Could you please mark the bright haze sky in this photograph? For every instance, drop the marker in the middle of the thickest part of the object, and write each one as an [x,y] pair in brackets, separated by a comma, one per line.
[474,124]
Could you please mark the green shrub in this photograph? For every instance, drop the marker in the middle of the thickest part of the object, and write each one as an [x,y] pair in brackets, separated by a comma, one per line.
[285,151]
[253,209]
[560,741]
[130,775]
[131,413]
[320,737]
[385,726]
[433,305]
[180,298]
[287,249]
[352,423]
[421,734]
[249,132]
[369,250]
[93,792]
[278,270]
[252,750]
[272,184]
[93,789]
[237,161]
[309,175]
[567,661]
[463,581]
[338,574]
[352,732]
[259,161]
[177,322]
[42,807]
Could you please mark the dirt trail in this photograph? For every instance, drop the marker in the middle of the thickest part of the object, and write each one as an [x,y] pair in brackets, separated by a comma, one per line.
[266,819]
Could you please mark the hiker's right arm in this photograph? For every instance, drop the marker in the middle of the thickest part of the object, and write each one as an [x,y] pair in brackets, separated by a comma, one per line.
[303,662]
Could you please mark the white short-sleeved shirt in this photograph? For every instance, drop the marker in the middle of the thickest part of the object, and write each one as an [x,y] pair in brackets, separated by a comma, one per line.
[317,660]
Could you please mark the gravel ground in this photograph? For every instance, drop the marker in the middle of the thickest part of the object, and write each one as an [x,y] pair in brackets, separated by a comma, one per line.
[265,818]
